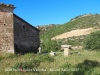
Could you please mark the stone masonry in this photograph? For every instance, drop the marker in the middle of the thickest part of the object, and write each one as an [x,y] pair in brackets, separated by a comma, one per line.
[6,28]
[16,35]
[26,37]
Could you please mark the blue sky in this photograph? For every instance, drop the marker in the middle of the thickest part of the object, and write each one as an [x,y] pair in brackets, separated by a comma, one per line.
[43,12]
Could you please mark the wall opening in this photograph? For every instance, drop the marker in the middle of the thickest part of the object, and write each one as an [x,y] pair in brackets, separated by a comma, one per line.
[23,26]
[4,24]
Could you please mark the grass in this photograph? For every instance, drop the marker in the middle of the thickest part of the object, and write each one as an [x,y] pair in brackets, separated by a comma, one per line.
[85,63]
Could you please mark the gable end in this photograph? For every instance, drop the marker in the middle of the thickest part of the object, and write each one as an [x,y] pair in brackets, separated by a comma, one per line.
[26,22]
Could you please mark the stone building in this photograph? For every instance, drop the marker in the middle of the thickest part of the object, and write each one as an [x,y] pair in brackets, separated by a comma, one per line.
[16,35]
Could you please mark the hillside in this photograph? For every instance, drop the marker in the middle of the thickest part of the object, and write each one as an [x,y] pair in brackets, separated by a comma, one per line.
[79,22]
[72,32]
[45,28]
[81,61]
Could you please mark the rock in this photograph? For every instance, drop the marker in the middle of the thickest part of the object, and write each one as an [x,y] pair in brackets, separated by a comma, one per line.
[52,53]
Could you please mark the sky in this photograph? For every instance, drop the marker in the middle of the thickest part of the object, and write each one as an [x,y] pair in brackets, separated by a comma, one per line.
[44,12]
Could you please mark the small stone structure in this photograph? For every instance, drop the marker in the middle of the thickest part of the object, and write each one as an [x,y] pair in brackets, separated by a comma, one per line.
[66,49]
[40,50]
[16,35]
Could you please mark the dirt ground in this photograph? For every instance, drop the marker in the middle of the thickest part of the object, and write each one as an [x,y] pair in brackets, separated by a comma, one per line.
[72,33]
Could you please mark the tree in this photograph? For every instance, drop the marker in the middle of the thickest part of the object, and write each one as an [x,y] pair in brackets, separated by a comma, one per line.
[92,41]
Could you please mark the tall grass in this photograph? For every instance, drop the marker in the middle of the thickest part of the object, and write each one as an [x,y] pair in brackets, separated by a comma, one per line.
[85,63]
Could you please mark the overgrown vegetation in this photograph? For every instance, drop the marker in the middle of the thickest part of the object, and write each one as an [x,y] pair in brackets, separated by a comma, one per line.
[74,41]
[46,58]
[79,22]
[27,65]
[80,62]
[92,41]
[49,45]
[87,63]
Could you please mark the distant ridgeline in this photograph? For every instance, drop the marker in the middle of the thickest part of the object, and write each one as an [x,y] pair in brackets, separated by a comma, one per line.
[79,22]
[44,28]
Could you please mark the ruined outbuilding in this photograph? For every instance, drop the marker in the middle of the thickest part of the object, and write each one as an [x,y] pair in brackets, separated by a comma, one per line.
[16,35]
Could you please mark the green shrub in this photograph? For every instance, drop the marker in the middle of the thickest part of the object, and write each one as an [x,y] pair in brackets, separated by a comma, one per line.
[28,55]
[92,41]
[7,56]
[11,56]
[71,42]
[49,45]
[46,57]
[27,65]
[1,58]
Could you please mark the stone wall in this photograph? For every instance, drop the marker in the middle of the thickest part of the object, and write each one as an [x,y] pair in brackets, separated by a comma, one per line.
[16,35]
[6,29]
[26,37]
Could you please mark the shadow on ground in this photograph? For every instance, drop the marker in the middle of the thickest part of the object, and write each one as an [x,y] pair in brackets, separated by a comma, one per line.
[87,67]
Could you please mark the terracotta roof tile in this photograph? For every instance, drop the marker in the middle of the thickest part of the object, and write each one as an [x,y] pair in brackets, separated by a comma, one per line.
[8,5]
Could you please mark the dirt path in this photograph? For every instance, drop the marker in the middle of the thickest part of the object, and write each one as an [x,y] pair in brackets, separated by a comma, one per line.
[72,33]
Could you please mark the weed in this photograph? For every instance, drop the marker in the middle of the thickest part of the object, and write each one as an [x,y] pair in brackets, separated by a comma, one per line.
[46,57]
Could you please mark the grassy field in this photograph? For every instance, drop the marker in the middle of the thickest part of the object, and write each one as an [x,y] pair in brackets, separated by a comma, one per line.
[80,62]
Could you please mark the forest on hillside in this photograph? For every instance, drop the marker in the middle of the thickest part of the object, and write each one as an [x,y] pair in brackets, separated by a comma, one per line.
[79,22]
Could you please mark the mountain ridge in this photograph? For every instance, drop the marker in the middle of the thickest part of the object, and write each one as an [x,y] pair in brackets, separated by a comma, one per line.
[79,22]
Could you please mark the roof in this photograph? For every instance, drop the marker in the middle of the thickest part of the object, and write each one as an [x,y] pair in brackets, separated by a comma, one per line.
[26,22]
[7,5]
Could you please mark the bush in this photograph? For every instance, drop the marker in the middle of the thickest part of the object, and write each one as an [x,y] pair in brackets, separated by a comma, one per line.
[11,56]
[46,57]
[7,56]
[28,55]
[49,45]
[1,58]
[92,41]
[27,65]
